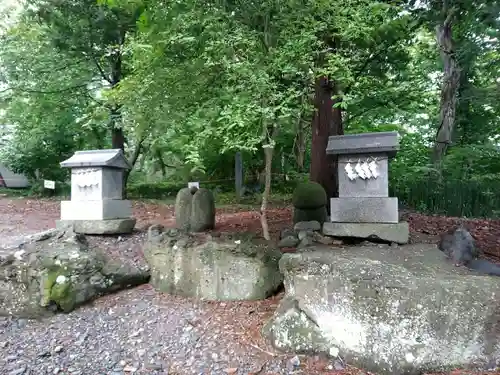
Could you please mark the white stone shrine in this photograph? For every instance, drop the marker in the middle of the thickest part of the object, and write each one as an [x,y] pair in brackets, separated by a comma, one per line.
[97,205]
[364,208]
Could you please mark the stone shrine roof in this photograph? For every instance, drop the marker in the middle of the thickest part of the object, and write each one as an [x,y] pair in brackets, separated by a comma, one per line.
[363,143]
[111,158]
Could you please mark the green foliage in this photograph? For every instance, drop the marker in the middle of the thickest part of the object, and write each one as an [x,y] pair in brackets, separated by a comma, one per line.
[464,186]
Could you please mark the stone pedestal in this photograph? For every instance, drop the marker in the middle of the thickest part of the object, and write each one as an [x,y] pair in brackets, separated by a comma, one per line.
[364,208]
[96,205]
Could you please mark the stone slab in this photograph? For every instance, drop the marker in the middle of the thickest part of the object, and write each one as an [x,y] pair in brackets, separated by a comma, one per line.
[106,209]
[117,226]
[399,233]
[351,144]
[373,187]
[364,210]
[390,310]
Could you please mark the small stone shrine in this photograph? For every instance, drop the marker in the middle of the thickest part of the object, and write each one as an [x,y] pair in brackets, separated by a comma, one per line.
[364,208]
[96,205]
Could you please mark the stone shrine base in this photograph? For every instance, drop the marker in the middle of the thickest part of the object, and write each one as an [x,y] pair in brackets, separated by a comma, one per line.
[390,232]
[110,226]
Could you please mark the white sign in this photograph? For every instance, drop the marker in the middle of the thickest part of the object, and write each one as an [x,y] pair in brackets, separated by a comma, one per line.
[48,184]
[194,184]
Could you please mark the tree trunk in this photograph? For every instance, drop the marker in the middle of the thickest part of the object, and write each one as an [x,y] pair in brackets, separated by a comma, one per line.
[117,138]
[268,147]
[159,159]
[326,121]
[268,153]
[300,148]
[449,87]
[132,160]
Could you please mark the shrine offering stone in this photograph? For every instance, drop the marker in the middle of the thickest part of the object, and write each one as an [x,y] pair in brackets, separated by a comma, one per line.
[195,210]
[183,208]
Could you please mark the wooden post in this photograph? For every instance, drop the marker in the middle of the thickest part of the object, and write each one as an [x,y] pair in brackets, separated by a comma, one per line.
[238,174]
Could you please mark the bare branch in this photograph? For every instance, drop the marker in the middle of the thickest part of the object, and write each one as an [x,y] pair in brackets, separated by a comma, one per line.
[99,67]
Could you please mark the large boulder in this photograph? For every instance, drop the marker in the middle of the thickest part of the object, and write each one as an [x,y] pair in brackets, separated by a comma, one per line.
[212,268]
[401,310]
[57,271]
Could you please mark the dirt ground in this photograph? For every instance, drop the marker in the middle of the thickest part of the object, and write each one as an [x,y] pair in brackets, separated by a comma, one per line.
[240,321]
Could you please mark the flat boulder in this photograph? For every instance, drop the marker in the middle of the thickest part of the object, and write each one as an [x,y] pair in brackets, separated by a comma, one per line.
[229,267]
[56,271]
[390,310]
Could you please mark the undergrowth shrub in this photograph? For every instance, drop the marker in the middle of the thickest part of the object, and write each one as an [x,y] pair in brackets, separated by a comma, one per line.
[466,185]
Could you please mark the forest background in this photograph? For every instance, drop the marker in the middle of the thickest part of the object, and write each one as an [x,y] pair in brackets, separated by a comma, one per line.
[183,86]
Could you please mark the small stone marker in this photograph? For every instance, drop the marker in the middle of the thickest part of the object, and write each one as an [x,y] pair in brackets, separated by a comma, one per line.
[96,205]
[195,184]
[364,201]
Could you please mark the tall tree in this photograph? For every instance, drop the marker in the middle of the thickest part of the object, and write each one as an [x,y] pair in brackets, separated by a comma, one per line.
[96,33]
[451,80]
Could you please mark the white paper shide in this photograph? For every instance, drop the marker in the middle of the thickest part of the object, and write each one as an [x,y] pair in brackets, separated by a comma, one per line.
[350,172]
[364,170]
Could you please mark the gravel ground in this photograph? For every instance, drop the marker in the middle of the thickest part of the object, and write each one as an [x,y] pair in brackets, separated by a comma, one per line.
[137,331]
[141,332]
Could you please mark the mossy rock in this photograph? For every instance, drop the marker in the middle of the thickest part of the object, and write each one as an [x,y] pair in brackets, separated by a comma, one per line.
[202,211]
[315,214]
[58,272]
[183,208]
[309,195]
[58,289]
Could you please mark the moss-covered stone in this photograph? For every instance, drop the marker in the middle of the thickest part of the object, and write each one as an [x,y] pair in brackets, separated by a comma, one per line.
[309,195]
[312,214]
[59,270]
[62,294]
